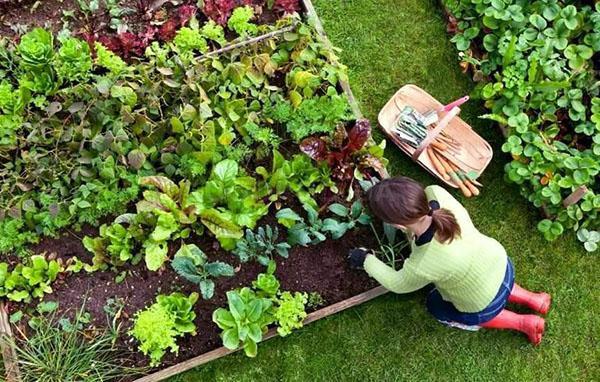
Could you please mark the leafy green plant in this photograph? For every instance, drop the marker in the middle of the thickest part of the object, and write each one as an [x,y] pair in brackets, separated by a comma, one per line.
[311,116]
[239,22]
[169,210]
[214,32]
[49,353]
[265,137]
[300,231]
[32,280]
[191,264]
[36,49]
[228,202]
[535,61]
[188,40]
[73,61]
[261,246]
[180,307]
[298,175]
[267,284]
[245,321]
[290,312]
[590,239]
[313,230]
[315,300]
[114,246]
[108,60]
[157,327]
[390,248]
[354,215]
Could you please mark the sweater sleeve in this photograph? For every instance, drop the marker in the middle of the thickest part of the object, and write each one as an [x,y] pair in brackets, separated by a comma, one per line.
[403,281]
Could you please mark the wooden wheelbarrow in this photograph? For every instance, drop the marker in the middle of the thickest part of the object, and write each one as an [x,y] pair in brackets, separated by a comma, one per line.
[470,154]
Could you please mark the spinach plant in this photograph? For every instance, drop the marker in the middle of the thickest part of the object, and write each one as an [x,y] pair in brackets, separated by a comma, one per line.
[300,231]
[354,215]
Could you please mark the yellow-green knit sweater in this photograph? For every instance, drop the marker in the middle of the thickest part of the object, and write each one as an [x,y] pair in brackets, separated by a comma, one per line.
[467,272]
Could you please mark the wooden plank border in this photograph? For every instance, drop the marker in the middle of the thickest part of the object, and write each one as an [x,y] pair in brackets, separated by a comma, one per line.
[222,351]
[9,355]
[311,13]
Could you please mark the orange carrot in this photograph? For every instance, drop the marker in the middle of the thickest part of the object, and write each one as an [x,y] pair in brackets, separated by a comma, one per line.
[436,163]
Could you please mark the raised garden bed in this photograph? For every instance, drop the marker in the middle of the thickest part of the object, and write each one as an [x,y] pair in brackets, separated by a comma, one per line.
[319,268]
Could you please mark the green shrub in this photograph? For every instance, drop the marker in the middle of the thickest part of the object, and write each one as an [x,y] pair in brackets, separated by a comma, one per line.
[537,74]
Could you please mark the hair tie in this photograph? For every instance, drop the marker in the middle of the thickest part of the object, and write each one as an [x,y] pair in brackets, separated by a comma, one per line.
[433,205]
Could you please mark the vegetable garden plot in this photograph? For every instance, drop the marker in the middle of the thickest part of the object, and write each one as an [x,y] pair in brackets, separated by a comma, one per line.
[192,167]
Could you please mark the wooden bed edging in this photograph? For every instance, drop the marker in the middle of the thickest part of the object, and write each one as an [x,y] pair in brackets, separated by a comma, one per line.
[222,351]
[9,356]
[312,15]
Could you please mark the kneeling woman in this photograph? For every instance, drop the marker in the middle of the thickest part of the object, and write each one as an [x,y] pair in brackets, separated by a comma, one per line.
[472,275]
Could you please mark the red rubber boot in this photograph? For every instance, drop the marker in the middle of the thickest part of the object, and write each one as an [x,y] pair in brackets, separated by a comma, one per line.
[540,302]
[529,324]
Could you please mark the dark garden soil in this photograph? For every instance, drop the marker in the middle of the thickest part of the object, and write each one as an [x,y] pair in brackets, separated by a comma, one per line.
[320,268]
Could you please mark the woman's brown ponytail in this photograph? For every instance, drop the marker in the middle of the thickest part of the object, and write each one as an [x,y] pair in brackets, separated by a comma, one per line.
[403,201]
[446,226]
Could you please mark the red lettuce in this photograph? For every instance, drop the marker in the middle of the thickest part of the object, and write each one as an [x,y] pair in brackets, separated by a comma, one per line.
[287,6]
[218,10]
[341,151]
[129,44]
[168,30]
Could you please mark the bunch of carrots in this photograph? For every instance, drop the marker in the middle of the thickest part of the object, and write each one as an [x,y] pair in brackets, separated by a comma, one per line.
[449,170]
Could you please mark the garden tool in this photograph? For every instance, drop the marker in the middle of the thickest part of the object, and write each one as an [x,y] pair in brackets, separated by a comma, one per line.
[430,117]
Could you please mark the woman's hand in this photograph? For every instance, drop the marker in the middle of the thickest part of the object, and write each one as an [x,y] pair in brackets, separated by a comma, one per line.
[357,256]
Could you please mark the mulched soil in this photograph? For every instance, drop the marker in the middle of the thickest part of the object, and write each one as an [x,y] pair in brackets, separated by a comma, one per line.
[321,268]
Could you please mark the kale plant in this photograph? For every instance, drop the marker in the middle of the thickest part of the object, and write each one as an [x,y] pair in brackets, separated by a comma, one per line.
[191,264]
[261,246]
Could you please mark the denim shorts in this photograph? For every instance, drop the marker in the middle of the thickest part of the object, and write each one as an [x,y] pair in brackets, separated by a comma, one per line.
[445,312]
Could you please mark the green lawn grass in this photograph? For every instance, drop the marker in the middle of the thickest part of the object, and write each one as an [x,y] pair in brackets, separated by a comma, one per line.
[389,43]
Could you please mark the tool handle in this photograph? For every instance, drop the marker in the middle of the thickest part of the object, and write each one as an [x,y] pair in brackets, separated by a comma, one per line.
[432,134]
[456,103]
